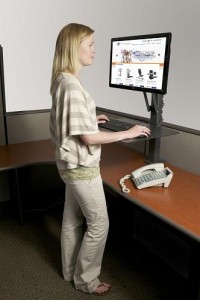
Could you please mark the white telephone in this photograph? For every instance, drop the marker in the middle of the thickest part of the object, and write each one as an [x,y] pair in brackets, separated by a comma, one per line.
[149,175]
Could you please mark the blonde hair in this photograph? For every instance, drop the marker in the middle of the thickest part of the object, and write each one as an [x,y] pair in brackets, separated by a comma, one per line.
[66,49]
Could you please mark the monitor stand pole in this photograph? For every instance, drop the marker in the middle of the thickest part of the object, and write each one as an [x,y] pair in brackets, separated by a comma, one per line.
[156,109]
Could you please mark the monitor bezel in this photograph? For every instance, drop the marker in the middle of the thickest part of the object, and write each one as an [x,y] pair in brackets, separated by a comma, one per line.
[163,90]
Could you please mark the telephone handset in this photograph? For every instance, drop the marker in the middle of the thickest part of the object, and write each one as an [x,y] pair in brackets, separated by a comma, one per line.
[149,175]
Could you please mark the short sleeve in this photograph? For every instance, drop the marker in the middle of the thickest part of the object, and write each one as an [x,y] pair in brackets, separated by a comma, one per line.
[82,113]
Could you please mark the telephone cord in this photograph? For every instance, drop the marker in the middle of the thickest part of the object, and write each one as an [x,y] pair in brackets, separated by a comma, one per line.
[123,186]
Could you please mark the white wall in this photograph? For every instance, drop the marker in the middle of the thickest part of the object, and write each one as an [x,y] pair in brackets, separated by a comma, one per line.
[28,30]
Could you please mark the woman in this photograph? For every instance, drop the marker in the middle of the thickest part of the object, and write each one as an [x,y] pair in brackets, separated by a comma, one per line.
[77,140]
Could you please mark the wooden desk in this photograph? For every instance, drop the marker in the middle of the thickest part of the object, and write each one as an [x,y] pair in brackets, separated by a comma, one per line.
[25,154]
[177,206]
[16,156]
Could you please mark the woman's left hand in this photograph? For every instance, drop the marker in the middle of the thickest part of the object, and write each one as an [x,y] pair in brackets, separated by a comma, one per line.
[102,119]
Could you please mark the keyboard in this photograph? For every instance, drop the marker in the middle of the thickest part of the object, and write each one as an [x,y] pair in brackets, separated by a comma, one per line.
[116,125]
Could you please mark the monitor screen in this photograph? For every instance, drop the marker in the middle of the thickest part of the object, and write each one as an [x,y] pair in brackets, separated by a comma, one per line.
[140,62]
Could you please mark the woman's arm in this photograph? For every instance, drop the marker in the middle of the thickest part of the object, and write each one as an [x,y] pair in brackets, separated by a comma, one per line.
[104,137]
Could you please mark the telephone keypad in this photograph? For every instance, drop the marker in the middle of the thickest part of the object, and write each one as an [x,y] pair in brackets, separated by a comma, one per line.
[149,177]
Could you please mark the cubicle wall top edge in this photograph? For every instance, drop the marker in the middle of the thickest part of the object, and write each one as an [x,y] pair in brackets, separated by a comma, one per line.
[26,112]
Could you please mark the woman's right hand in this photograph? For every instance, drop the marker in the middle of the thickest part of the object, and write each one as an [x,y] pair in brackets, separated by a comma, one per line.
[139,130]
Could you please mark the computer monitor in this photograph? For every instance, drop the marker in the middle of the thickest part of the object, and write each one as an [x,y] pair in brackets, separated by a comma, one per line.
[140,62]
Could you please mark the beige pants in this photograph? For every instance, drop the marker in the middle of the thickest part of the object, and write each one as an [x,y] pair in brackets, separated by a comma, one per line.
[82,252]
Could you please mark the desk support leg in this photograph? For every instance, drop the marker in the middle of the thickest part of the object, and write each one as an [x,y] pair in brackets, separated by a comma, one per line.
[18,197]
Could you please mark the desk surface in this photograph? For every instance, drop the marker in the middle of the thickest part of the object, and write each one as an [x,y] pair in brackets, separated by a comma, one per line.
[178,205]
[25,154]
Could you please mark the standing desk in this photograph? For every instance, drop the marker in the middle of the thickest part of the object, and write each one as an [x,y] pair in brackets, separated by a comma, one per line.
[176,207]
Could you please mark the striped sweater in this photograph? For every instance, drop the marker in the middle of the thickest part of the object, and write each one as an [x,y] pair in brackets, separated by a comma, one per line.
[73,113]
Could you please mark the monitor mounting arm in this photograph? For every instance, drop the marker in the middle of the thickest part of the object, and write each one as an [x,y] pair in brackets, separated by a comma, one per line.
[156,109]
